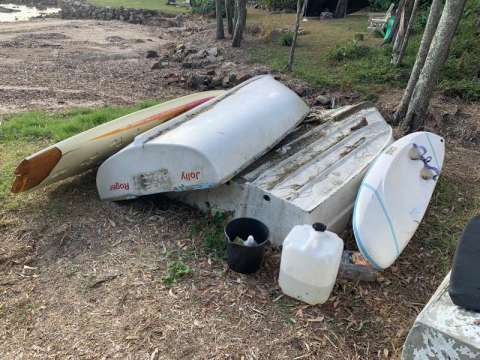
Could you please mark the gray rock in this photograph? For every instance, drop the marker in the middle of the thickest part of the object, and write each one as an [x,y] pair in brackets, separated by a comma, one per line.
[152,54]
[322,100]
[213,51]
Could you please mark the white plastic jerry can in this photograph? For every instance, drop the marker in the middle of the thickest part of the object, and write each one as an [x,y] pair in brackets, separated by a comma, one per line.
[310,260]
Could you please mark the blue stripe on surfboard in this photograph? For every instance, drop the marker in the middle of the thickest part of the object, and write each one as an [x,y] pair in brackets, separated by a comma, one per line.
[358,238]
[356,231]
[385,212]
[437,164]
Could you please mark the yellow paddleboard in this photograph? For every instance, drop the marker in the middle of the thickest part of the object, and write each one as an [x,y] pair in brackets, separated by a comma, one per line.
[81,152]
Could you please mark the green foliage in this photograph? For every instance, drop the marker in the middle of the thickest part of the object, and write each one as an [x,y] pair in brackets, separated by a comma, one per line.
[160,5]
[40,125]
[461,73]
[279,4]
[211,231]
[380,5]
[327,57]
[352,50]
[286,39]
[453,204]
[205,7]
[176,270]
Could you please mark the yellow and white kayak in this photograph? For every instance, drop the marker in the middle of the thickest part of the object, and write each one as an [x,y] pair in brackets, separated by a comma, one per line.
[83,151]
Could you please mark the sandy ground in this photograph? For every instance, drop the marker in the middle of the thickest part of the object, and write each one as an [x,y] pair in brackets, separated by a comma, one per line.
[57,63]
[82,279]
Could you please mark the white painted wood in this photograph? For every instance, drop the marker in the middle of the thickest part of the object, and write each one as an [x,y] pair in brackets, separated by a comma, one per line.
[219,140]
[393,198]
[313,175]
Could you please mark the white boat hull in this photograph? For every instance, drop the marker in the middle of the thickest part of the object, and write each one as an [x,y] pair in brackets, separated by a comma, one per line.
[393,198]
[312,176]
[219,139]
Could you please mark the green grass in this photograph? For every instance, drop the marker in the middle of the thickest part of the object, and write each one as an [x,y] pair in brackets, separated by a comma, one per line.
[22,134]
[453,204]
[41,125]
[176,270]
[327,55]
[211,231]
[160,5]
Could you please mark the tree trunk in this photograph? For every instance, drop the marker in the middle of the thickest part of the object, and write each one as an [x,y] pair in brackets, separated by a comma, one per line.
[341,10]
[402,26]
[396,23]
[437,55]
[429,32]
[397,56]
[300,12]
[219,16]
[241,18]
[229,14]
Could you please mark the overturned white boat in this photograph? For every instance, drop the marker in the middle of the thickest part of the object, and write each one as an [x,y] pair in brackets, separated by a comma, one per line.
[207,146]
[313,175]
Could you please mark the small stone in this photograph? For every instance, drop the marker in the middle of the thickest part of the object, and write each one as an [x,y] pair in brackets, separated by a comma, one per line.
[160,65]
[213,51]
[152,54]
[322,100]
[211,59]
[180,47]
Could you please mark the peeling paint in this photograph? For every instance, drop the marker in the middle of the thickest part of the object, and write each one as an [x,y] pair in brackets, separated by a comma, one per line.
[443,331]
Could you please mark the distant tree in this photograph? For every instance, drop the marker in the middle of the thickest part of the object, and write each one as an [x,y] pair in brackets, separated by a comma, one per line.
[429,32]
[300,11]
[341,10]
[240,21]
[219,17]
[436,57]
[229,10]
[399,52]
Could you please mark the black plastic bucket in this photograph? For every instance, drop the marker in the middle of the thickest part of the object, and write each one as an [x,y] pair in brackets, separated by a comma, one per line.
[246,259]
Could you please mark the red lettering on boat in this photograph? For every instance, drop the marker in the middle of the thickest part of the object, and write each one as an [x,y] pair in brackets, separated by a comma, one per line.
[119,186]
[190,175]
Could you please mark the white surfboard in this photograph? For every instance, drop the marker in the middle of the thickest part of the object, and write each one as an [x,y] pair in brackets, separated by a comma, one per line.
[394,196]
[84,151]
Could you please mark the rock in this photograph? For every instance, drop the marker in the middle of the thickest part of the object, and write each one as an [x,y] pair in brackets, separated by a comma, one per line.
[180,48]
[322,100]
[213,52]
[326,15]
[299,90]
[160,65]
[211,59]
[229,80]
[199,82]
[152,54]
